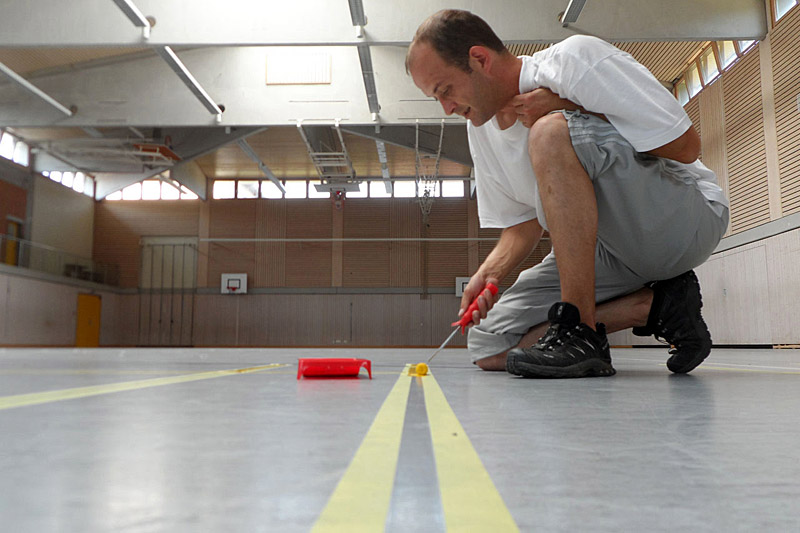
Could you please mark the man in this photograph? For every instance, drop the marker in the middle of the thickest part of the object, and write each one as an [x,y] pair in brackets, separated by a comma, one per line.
[609,167]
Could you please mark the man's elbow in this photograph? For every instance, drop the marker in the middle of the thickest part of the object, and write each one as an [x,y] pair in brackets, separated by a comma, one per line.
[684,149]
[690,150]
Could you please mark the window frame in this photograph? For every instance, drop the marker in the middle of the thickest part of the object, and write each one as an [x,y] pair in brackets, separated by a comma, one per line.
[774,10]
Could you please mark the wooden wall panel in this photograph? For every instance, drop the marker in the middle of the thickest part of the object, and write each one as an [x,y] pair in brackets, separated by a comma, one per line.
[366,264]
[666,60]
[231,219]
[230,258]
[785,41]
[745,145]
[783,256]
[390,320]
[734,284]
[215,319]
[40,313]
[308,264]
[693,110]
[711,117]
[118,226]
[446,260]
[119,319]
[270,256]
[405,257]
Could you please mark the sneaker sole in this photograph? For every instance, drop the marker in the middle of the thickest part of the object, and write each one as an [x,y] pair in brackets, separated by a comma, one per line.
[584,369]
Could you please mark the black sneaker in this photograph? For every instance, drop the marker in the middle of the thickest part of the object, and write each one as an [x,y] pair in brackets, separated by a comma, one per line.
[675,317]
[569,349]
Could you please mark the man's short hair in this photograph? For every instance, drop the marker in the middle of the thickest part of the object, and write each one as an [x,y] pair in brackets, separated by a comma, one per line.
[452,32]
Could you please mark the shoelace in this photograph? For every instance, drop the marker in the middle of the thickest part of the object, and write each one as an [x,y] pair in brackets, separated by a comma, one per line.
[559,337]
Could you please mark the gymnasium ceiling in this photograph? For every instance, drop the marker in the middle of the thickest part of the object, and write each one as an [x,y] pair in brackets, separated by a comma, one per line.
[118,92]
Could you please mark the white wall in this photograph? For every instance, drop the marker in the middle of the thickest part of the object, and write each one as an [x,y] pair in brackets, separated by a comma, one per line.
[39,310]
[62,218]
[751,294]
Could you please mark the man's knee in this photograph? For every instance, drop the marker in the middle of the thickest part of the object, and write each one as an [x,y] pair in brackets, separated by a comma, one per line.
[548,141]
[548,129]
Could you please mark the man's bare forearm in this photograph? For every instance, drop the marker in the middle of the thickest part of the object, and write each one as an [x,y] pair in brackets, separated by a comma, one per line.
[515,244]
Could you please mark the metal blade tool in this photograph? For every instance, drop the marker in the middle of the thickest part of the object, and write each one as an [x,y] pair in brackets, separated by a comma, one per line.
[466,318]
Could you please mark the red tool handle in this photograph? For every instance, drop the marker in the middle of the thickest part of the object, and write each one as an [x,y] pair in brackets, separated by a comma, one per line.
[466,318]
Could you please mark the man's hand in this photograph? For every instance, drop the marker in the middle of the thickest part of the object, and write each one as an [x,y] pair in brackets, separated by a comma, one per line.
[476,288]
[532,106]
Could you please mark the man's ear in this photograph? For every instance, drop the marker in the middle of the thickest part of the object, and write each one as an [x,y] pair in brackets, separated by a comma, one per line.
[480,58]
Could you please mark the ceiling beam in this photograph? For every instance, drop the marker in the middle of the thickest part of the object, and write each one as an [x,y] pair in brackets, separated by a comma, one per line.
[34,90]
[320,22]
[135,16]
[247,149]
[186,77]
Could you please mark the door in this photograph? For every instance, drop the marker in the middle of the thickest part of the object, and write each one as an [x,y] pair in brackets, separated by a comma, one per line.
[87,333]
[12,244]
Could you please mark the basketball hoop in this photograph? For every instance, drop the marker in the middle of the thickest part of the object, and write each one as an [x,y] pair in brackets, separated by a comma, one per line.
[425,204]
[337,199]
[427,174]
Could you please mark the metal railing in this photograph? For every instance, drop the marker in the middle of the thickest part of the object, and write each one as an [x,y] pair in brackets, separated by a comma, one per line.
[42,258]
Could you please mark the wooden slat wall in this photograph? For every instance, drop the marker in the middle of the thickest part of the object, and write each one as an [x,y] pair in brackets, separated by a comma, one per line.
[693,110]
[405,259]
[446,260]
[366,264]
[711,117]
[231,219]
[118,226]
[270,256]
[785,40]
[308,264]
[666,60]
[744,126]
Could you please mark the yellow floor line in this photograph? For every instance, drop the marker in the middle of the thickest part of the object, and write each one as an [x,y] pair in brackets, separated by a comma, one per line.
[36,398]
[756,370]
[361,500]
[470,500]
[79,372]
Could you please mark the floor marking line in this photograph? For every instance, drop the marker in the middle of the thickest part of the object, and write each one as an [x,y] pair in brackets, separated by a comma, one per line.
[756,370]
[733,367]
[36,398]
[469,497]
[361,500]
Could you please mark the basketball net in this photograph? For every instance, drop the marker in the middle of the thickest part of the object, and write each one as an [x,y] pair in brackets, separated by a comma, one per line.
[427,175]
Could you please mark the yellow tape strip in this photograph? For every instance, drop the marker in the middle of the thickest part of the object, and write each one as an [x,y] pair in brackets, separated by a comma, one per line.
[470,500]
[361,500]
[23,400]
[756,370]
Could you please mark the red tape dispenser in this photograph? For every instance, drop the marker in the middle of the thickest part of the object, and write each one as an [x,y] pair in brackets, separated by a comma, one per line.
[332,368]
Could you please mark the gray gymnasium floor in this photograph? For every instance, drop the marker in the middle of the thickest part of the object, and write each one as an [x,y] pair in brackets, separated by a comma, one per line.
[258,450]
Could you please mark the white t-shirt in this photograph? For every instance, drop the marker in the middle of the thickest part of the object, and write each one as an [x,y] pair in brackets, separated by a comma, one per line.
[601,78]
